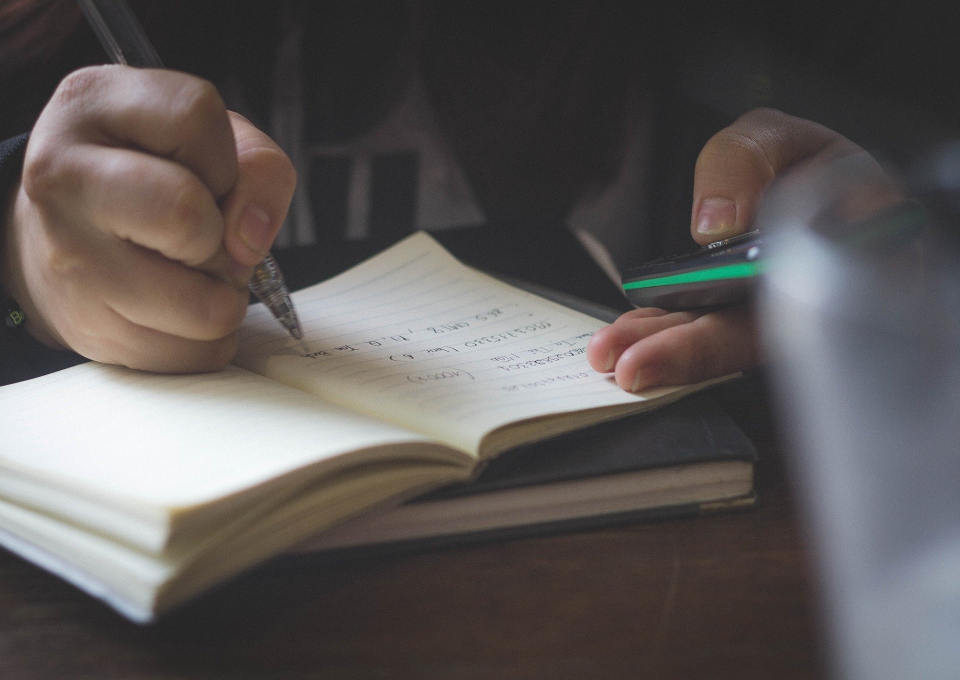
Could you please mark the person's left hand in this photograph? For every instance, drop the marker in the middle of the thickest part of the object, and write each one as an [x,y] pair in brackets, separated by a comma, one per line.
[650,347]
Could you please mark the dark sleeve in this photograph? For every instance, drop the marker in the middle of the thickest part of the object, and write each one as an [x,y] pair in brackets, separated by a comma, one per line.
[22,357]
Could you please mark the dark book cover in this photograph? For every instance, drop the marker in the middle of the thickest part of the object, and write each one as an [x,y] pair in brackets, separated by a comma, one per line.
[692,432]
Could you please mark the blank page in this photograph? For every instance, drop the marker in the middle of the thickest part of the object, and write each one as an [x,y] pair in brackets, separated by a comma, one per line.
[157,443]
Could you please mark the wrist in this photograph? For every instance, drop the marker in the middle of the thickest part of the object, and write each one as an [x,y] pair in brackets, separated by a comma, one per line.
[13,278]
[13,287]
[21,355]
[11,162]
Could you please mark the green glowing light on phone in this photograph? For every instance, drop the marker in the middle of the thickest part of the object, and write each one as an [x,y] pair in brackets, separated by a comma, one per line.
[739,270]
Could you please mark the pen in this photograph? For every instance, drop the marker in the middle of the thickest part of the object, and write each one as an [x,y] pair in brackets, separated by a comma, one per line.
[125,42]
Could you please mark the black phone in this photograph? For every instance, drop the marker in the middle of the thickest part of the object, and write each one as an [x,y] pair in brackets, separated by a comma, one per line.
[717,274]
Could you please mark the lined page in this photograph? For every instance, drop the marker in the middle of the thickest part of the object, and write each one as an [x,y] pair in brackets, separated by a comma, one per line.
[414,337]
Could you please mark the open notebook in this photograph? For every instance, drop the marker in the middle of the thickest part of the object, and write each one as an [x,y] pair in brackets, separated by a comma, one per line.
[145,489]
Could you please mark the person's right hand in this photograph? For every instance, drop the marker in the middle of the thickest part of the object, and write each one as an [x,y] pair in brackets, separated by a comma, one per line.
[142,209]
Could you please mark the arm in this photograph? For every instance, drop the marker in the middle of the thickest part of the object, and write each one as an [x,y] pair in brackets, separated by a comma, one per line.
[649,347]
[141,210]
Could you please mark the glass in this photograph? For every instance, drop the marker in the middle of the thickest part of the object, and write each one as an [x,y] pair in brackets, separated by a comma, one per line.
[860,309]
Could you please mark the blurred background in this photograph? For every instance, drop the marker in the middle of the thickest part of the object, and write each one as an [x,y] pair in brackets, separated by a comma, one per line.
[543,103]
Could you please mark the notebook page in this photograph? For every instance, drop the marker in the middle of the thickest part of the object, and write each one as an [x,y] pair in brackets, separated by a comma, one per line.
[414,337]
[161,442]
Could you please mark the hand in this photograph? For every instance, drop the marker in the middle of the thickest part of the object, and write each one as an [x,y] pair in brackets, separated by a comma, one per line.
[142,209]
[650,347]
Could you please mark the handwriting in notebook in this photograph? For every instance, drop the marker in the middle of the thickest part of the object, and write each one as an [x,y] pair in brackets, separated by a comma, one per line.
[418,332]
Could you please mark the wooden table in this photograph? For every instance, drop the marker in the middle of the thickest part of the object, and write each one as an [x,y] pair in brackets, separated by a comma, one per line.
[716,597]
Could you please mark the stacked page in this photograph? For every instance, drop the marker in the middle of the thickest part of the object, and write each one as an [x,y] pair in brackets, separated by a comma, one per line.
[145,489]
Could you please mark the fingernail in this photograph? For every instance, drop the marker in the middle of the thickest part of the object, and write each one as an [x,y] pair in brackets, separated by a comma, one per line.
[717,215]
[611,361]
[635,387]
[255,229]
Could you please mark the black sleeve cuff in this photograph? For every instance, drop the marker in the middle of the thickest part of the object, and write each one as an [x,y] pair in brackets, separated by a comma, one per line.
[11,157]
[22,357]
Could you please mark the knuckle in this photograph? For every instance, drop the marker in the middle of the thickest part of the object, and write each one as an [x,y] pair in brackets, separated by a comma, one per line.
[80,84]
[747,145]
[188,236]
[44,174]
[197,104]
[736,137]
[186,204]
[39,173]
[753,128]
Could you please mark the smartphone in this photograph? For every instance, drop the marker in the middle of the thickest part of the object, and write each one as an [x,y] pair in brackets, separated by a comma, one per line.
[718,274]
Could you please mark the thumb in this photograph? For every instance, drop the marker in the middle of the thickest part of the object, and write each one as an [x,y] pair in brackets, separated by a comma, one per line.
[256,207]
[738,163]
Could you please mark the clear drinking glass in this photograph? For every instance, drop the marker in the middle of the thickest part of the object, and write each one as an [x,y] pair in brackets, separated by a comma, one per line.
[860,309]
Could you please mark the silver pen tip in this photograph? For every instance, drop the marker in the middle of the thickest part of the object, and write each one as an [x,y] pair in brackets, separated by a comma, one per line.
[291,323]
